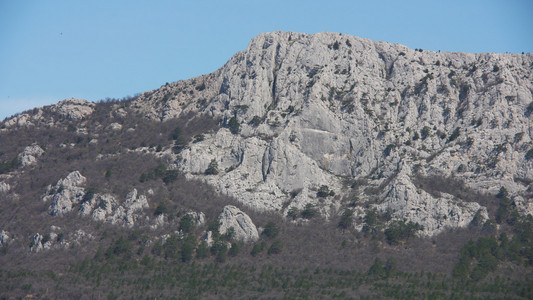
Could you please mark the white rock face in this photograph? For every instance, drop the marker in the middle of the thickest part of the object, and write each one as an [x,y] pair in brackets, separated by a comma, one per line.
[407,202]
[103,206]
[37,245]
[65,193]
[198,217]
[4,238]
[232,217]
[319,109]
[74,109]
[208,238]
[4,187]
[130,210]
[30,154]
[115,126]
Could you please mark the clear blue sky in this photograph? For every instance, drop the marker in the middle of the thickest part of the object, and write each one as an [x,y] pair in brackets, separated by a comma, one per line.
[52,50]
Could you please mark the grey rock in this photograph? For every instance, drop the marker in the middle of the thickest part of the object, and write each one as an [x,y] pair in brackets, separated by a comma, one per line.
[130,210]
[30,154]
[65,193]
[4,187]
[103,206]
[115,126]
[74,109]
[4,238]
[198,217]
[37,245]
[317,109]
[244,228]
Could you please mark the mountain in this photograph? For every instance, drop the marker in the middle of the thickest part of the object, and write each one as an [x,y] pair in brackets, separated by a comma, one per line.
[343,136]
[328,109]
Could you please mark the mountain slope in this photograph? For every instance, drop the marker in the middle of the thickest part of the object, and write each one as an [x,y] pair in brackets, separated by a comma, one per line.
[321,152]
[328,108]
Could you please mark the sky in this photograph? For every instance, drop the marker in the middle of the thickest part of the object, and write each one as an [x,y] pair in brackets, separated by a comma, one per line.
[53,50]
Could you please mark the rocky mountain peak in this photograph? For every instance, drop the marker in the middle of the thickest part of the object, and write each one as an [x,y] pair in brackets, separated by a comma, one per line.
[302,111]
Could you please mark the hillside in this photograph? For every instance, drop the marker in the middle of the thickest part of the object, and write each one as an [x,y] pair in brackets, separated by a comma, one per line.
[323,151]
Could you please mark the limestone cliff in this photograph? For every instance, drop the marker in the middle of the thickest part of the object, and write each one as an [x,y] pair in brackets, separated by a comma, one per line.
[302,111]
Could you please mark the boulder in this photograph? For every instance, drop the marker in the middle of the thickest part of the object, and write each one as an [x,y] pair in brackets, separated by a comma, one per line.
[4,187]
[4,238]
[244,228]
[65,193]
[30,154]
[74,109]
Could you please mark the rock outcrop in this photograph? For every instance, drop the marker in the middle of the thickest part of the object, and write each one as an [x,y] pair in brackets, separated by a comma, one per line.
[49,116]
[244,228]
[303,111]
[4,238]
[74,109]
[30,154]
[4,187]
[130,210]
[65,193]
[37,244]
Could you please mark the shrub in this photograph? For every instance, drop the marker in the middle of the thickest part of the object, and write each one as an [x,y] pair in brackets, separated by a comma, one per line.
[377,269]
[324,191]
[346,219]
[89,195]
[9,165]
[388,149]
[271,230]
[455,134]
[203,250]
[529,154]
[399,230]
[214,227]
[234,250]
[255,121]
[371,217]
[170,176]
[186,223]
[293,213]
[258,248]
[120,247]
[309,211]
[176,133]
[234,125]
[275,248]
[529,109]
[172,247]
[220,250]
[160,209]
[187,249]
[212,169]
[463,91]
[229,234]
[424,133]
[198,138]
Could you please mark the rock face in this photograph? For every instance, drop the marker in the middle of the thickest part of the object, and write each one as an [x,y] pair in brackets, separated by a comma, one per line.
[4,238]
[128,212]
[70,191]
[74,109]
[69,109]
[406,201]
[303,111]
[30,154]
[4,187]
[65,193]
[37,244]
[244,228]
